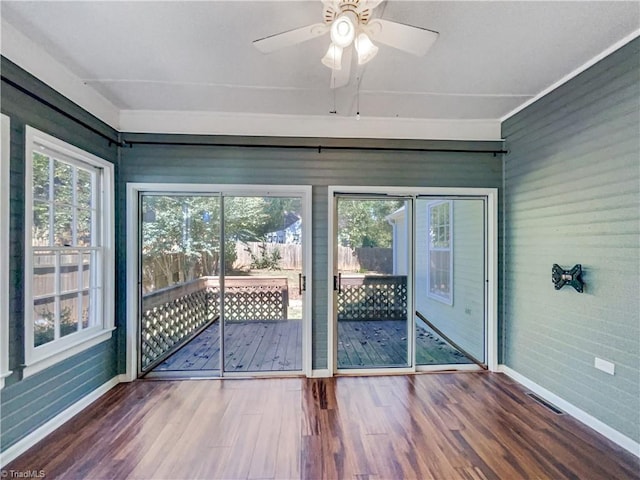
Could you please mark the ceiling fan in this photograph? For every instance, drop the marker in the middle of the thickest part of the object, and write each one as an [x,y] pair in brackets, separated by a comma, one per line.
[350,24]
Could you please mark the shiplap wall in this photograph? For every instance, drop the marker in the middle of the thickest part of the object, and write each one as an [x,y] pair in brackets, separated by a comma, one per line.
[572,181]
[464,321]
[307,166]
[27,404]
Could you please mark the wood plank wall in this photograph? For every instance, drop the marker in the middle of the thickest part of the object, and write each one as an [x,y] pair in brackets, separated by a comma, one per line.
[572,191]
[27,404]
[307,166]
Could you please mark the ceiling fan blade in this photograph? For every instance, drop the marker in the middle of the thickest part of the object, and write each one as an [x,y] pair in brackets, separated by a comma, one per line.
[414,40]
[292,37]
[340,78]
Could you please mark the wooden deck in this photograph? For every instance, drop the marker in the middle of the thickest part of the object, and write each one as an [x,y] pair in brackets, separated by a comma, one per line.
[251,346]
[445,426]
[383,343]
[265,346]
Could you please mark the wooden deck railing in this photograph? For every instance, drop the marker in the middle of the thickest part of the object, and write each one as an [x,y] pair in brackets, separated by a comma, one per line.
[373,297]
[172,316]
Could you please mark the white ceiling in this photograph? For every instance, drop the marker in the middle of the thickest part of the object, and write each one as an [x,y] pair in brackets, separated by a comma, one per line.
[490,58]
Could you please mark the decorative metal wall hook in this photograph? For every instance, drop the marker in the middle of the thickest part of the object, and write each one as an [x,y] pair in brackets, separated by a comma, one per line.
[572,277]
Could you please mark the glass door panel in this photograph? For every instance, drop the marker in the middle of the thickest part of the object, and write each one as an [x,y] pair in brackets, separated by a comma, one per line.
[372,282]
[180,264]
[450,273]
[263,284]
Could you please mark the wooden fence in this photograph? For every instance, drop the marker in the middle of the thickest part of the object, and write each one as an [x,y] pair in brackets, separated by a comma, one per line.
[171,268]
[371,259]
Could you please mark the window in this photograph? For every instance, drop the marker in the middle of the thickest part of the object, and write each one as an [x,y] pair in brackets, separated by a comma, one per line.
[69,250]
[4,252]
[440,271]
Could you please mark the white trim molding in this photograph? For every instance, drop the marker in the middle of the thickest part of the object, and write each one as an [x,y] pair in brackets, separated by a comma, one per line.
[253,124]
[589,420]
[5,198]
[56,422]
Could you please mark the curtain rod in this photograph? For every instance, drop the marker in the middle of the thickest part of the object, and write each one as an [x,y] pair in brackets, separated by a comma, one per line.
[47,103]
[131,143]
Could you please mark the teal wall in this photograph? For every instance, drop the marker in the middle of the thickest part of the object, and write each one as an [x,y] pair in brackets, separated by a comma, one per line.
[572,195]
[27,404]
[307,166]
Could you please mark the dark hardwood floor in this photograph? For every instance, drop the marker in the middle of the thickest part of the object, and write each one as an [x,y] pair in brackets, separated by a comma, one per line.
[443,426]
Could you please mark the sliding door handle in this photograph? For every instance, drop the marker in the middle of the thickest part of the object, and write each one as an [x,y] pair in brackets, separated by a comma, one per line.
[302,283]
[337,283]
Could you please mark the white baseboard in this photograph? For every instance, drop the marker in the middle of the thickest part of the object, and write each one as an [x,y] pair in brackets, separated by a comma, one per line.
[584,417]
[321,373]
[41,432]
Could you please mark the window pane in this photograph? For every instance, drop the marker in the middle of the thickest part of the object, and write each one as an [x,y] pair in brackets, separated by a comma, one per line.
[83,188]
[68,314]
[63,228]
[62,182]
[69,272]
[86,309]
[44,321]
[83,225]
[40,228]
[40,176]
[43,274]
[439,273]
[86,271]
[90,289]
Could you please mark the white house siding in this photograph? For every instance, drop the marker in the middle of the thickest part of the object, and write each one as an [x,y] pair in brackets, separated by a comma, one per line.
[462,322]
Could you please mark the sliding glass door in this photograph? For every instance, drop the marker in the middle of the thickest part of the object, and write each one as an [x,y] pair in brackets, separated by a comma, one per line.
[450,273]
[222,284]
[263,284]
[179,271]
[372,282]
[410,280]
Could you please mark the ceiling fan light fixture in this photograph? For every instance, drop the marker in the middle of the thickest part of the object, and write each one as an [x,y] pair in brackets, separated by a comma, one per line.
[333,57]
[343,29]
[365,48]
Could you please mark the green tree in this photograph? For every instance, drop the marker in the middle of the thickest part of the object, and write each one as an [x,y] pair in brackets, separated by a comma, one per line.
[281,212]
[187,229]
[363,223]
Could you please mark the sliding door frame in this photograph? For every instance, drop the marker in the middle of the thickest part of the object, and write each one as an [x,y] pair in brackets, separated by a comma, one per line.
[491,280]
[134,190]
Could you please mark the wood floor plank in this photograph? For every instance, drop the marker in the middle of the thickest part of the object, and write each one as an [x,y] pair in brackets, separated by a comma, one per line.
[448,426]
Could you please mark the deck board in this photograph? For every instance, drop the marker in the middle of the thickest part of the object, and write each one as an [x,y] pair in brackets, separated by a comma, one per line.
[262,346]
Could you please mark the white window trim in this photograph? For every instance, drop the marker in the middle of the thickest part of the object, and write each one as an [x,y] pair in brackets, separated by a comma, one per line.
[4,252]
[41,358]
[446,300]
